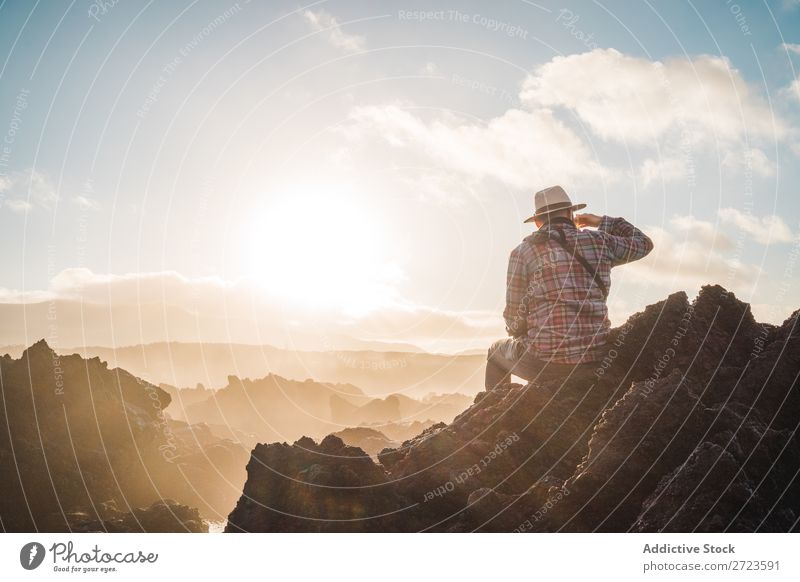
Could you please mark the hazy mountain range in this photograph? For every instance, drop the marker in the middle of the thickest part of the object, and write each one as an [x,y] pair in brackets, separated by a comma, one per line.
[81,443]
[88,447]
[145,319]
[274,408]
[378,373]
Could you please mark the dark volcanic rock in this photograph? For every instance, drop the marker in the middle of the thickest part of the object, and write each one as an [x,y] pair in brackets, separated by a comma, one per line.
[75,435]
[310,487]
[688,423]
[165,516]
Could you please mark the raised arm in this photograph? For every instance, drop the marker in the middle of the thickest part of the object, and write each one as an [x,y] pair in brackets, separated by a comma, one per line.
[625,242]
[516,311]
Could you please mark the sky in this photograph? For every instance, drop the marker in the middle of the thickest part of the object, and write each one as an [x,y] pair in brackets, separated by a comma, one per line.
[275,171]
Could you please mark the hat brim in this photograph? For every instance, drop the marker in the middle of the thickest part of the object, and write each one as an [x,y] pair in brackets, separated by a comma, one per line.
[540,214]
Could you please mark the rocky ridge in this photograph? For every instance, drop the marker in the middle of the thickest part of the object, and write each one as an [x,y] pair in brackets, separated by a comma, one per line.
[84,446]
[688,424]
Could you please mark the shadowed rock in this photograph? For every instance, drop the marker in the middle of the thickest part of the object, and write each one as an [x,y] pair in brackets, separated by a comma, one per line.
[75,435]
[165,516]
[688,423]
[325,487]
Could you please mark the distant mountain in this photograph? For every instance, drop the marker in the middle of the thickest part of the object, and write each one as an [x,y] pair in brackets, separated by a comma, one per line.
[15,350]
[401,431]
[184,397]
[274,408]
[473,352]
[373,439]
[82,444]
[369,440]
[398,407]
[376,372]
[136,320]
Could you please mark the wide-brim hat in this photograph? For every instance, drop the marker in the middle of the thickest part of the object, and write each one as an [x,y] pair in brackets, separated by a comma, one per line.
[550,200]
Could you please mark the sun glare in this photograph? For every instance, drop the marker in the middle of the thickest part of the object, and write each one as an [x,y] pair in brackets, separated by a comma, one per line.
[322,248]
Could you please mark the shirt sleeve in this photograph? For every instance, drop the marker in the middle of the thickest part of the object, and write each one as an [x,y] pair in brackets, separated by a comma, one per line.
[516,311]
[625,243]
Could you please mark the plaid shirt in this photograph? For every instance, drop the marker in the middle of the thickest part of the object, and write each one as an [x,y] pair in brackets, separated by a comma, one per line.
[553,302]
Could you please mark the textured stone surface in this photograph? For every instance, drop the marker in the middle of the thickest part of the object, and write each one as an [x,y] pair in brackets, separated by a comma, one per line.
[165,516]
[75,435]
[687,424]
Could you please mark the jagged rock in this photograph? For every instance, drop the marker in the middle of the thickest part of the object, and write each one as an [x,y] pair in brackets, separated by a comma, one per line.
[645,435]
[75,435]
[688,423]
[318,487]
[725,485]
[165,516]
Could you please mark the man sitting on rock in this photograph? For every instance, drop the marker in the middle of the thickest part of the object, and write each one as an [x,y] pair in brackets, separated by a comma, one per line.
[556,289]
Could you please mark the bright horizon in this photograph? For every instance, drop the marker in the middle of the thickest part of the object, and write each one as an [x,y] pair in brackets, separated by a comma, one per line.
[302,176]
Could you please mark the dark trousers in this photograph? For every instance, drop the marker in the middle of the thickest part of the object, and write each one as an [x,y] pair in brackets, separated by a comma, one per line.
[511,356]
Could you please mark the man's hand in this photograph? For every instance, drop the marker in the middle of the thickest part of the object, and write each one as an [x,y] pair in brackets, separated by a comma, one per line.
[582,220]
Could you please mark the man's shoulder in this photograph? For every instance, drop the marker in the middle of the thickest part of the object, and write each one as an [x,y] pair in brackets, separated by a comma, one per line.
[522,254]
[520,249]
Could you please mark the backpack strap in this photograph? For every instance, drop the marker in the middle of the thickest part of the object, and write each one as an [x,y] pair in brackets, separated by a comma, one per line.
[561,239]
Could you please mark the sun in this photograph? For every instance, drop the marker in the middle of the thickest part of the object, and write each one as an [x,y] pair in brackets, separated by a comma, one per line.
[321,247]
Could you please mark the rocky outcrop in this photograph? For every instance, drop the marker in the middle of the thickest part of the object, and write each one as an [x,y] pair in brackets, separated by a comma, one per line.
[165,516]
[76,436]
[320,487]
[687,424]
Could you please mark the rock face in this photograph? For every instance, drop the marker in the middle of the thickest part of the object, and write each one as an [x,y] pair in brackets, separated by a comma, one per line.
[76,437]
[688,424]
[165,516]
[334,487]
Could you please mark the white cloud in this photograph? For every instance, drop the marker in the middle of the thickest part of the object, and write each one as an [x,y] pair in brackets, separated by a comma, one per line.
[108,309]
[40,188]
[520,148]
[793,90]
[28,189]
[764,230]
[321,21]
[430,69]
[753,161]
[702,231]
[625,98]
[689,252]
[17,205]
[759,163]
[439,188]
[791,47]
[85,203]
[130,289]
[664,169]
[685,106]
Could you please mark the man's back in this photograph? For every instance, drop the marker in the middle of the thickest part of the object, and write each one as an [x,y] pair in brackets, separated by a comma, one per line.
[553,300]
